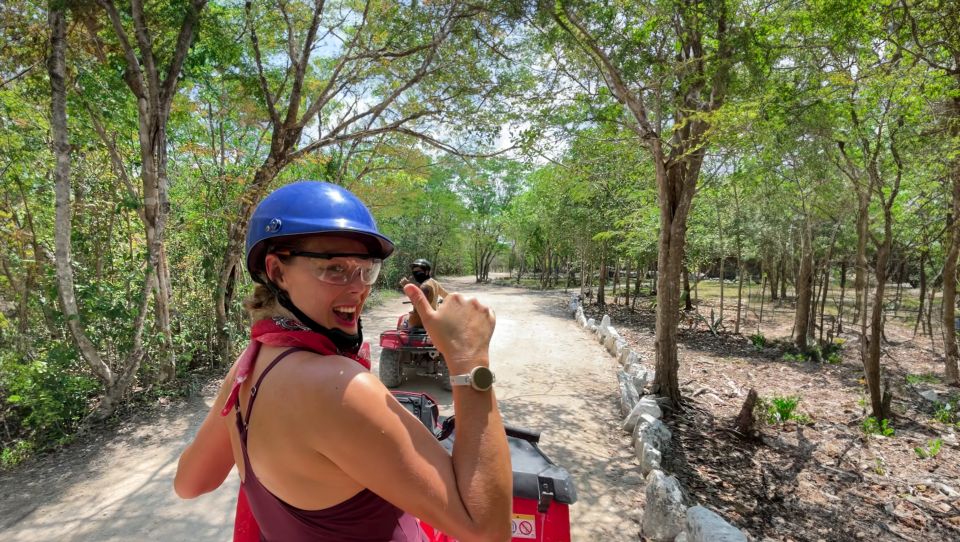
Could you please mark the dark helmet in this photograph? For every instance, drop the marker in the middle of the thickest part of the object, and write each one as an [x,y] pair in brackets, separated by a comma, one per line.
[420,262]
[307,208]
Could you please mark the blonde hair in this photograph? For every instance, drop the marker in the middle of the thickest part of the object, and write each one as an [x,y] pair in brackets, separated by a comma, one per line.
[262,303]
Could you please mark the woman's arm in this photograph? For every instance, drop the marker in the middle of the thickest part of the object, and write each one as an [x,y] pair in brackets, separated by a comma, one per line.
[386,449]
[206,462]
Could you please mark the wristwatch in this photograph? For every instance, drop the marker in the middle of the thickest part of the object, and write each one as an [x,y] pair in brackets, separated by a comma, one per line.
[480,378]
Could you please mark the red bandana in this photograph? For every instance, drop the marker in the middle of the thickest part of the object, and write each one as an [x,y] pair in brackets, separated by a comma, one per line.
[280,331]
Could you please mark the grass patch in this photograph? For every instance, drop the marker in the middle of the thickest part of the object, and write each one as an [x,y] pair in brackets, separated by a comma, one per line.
[946,412]
[930,450]
[379,296]
[872,427]
[925,378]
[783,408]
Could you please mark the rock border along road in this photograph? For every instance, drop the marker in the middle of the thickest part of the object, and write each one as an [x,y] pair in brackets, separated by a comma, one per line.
[549,378]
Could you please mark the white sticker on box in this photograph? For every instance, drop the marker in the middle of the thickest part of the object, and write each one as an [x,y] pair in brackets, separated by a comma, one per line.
[524,527]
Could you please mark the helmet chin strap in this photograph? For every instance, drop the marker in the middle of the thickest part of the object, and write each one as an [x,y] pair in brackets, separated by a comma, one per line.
[345,342]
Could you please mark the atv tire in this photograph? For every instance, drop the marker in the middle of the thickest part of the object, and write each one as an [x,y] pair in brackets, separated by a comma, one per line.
[391,372]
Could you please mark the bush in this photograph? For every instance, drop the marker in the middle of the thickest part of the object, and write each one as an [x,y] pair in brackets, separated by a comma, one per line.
[12,455]
[48,395]
[758,340]
[946,412]
[872,427]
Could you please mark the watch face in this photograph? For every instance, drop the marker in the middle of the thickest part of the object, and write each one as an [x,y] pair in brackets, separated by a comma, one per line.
[482,378]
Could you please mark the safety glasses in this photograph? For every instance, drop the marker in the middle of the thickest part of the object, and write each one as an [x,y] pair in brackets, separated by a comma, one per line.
[340,268]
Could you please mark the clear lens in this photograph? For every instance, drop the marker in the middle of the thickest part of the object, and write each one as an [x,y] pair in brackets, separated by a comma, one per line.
[340,271]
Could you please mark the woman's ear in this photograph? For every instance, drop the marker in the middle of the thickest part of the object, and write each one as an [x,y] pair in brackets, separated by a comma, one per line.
[274,269]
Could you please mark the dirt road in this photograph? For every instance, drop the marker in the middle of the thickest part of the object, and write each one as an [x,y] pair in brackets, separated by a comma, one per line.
[550,376]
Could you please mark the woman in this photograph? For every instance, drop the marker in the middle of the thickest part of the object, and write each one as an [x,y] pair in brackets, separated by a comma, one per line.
[323,450]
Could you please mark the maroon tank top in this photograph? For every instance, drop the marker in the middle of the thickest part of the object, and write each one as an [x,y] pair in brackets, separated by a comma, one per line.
[365,517]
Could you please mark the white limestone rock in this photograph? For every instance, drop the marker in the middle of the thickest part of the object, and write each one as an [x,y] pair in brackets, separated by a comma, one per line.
[651,431]
[664,513]
[704,525]
[650,459]
[646,405]
[628,394]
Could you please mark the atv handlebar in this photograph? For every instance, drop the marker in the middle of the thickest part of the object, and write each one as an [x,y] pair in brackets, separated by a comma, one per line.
[529,435]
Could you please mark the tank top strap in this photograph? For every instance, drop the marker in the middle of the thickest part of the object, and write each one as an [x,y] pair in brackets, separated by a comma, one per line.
[244,420]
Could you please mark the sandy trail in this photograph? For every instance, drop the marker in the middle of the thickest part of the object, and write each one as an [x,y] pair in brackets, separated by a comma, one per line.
[551,376]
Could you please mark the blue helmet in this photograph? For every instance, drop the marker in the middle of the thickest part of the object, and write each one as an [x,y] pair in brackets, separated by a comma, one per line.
[309,208]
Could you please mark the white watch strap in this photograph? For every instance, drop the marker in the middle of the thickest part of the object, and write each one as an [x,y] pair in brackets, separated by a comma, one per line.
[460,380]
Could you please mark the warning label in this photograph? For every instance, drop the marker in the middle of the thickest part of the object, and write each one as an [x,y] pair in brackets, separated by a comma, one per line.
[524,527]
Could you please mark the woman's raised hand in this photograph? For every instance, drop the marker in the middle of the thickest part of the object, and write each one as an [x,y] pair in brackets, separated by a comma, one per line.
[460,328]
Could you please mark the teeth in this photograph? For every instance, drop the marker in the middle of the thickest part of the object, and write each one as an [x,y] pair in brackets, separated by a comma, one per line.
[345,309]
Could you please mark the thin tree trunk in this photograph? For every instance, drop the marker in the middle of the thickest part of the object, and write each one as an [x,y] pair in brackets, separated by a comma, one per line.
[804,287]
[583,273]
[763,285]
[896,297]
[782,277]
[602,282]
[696,287]
[948,303]
[626,285]
[923,291]
[823,296]
[876,329]
[616,278]
[636,285]
[772,278]
[688,303]
[115,383]
[723,259]
[736,325]
[843,288]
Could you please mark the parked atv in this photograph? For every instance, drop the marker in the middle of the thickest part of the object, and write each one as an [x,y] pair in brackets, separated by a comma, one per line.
[406,348]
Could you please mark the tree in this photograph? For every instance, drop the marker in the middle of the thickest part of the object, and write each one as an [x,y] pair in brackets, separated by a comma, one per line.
[115,382]
[681,78]
[153,81]
[390,69]
[926,30]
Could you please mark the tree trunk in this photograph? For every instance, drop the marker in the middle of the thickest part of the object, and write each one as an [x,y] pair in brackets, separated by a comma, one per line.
[872,363]
[948,303]
[114,383]
[782,277]
[687,301]
[923,289]
[696,287]
[744,424]
[896,297]
[772,279]
[626,285]
[616,278]
[723,259]
[762,298]
[676,184]
[636,284]
[823,295]
[602,283]
[843,289]
[583,273]
[804,290]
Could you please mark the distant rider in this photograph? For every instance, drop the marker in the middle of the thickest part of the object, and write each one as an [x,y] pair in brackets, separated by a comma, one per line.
[421,272]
